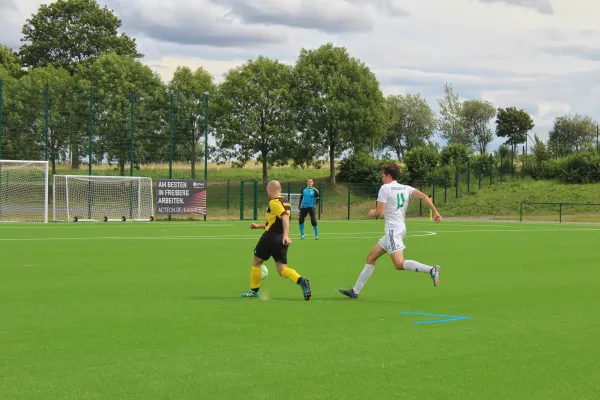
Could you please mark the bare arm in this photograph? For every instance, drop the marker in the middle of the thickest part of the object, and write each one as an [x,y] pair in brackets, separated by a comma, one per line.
[379,211]
[436,215]
[257,226]
[285,220]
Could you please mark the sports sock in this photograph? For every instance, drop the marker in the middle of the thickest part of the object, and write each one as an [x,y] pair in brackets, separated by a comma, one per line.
[302,229]
[290,274]
[411,265]
[255,278]
[363,277]
[316,227]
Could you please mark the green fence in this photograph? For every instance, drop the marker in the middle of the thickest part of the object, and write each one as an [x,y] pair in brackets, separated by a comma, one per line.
[559,212]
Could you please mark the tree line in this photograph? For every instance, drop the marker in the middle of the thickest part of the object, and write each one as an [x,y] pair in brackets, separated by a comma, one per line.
[88,86]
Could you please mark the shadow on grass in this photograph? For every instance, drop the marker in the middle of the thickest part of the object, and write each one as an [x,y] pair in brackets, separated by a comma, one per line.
[313,299]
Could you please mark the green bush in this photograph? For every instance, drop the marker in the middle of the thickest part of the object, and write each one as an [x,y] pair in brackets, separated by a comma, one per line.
[455,153]
[582,167]
[420,161]
[363,168]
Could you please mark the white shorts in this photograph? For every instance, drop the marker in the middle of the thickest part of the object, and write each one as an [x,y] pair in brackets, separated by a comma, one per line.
[393,241]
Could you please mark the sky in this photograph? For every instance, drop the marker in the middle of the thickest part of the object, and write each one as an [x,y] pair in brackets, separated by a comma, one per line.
[539,55]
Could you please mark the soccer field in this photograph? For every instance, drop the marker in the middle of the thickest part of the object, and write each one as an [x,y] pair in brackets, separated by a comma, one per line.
[153,311]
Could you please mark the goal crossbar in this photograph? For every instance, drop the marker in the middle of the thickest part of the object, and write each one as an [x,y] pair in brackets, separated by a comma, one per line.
[102,198]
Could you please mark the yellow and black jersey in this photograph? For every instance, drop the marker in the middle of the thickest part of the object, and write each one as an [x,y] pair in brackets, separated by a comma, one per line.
[277,207]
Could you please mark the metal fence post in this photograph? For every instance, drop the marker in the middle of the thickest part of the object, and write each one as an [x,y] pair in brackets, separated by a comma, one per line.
[491,167]
[171,123]
[501,165]
[320,198]
[255,200]
[241,200]
[132,130]
[349,201]
[228,195]
[456,180]
[445,186]
[46,120]
[469,176]
[420,201]
[560,213]
[206,147]
[1,103]
[91,132]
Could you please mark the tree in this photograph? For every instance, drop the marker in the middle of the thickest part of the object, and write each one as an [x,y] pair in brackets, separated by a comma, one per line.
[421,161]
[15,142]
[67,32]
[476,116]
[572,132]
[253,114]
[339,104]
[410,123]
[10,61]
[61,106]
[189,90]
[513,124]
[455,154]
[115,79]
[540,151]
[450,121]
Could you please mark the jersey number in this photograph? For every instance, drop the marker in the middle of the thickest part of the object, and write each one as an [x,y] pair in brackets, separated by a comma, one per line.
[401,200]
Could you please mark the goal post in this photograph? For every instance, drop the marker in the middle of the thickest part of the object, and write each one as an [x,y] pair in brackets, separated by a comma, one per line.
[23,191]
[102,198]
[294,200]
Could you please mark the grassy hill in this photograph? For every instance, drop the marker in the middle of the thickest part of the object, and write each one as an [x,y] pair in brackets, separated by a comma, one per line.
[502,201]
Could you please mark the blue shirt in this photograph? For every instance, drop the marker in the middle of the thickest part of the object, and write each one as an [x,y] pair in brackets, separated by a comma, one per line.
[309,198]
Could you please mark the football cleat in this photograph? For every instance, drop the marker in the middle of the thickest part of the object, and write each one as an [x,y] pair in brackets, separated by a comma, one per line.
[435,275]
[349,293]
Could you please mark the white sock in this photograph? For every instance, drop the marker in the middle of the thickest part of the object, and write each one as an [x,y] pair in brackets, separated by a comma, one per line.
[363,277]
[411,265]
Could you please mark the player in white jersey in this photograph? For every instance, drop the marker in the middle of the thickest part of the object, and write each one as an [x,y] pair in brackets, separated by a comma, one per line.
[392,203]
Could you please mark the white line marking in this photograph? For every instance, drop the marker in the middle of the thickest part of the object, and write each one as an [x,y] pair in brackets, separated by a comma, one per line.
[521,230]
[346,235]
[223,237]
[118,226]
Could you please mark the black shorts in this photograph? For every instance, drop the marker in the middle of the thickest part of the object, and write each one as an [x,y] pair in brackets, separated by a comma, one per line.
[270,245]
[308,211]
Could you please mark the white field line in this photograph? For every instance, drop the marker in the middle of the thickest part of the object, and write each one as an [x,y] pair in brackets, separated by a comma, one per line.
[202,224]
[221,237]
[339,235]
[120,225]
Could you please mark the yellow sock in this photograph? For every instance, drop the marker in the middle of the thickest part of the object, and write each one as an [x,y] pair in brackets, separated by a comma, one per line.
[291,274]
[255,277]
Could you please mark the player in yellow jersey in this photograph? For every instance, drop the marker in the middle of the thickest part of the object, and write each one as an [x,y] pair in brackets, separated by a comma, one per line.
[274,242]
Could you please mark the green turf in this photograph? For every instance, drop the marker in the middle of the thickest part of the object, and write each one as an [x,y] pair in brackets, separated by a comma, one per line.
[152,311]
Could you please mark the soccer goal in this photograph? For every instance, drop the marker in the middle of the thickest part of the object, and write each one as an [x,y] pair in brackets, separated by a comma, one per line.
[102,198]
[294,199]
[23,191]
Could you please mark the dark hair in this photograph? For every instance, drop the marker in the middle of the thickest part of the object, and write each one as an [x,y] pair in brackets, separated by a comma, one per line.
[391,169]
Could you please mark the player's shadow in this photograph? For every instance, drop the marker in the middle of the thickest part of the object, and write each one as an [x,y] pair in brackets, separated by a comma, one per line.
[238,298]
[294,299]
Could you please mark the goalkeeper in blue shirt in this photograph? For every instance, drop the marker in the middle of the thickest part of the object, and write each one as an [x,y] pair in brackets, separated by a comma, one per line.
[309,199]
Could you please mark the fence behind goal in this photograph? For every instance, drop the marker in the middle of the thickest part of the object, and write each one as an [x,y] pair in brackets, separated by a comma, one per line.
[102,198]
[23,191]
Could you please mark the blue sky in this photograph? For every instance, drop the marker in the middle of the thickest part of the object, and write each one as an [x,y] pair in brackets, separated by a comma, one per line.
[539,55]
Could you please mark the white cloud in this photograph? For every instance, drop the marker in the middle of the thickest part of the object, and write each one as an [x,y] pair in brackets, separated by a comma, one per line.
[539,55]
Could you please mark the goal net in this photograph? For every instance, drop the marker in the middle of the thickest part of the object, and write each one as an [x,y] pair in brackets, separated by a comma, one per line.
[294,199]
[102,198]
[23,191]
